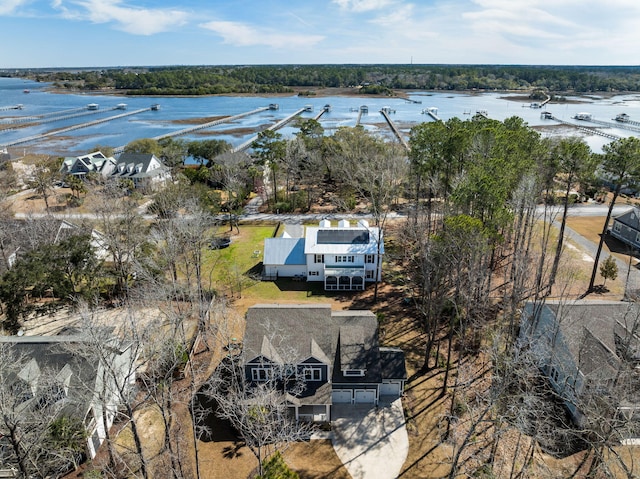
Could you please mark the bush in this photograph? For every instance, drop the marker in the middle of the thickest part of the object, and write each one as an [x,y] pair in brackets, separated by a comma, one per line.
[74,202]
[276,468]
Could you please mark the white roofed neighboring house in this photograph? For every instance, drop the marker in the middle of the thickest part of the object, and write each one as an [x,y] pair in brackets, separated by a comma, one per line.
[343,256]
[145,170]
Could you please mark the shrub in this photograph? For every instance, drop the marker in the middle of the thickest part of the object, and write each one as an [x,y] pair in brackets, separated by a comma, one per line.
[276,468]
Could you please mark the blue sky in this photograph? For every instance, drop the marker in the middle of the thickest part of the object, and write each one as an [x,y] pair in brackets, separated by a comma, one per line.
[84,33]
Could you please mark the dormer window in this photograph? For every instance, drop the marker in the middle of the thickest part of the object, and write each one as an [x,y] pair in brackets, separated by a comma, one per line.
[353,372]
[312,374]
[21,391]
[51,395]
[261,374]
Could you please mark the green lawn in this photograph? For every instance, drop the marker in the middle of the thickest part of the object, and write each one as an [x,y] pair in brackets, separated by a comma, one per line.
[235,271]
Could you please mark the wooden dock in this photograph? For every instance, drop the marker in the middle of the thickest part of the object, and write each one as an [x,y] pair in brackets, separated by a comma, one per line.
[72,127]
[202,126]
[364,110]
[56,116]
[325,109]
[395,130]
[432,111]
[592,131]
[273,127]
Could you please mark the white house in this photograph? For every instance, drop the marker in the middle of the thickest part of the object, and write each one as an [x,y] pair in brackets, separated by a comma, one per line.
[343,257]
[143,169]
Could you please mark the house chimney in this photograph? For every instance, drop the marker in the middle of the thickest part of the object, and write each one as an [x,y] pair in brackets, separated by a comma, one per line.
[343,224]
[363,223]
[325,224]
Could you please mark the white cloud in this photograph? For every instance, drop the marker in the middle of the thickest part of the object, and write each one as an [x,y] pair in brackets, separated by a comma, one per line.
[243,35]
[362,5]
[10,6]
[137,21]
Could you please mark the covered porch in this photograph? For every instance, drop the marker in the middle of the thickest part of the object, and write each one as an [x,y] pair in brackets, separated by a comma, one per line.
[344,279]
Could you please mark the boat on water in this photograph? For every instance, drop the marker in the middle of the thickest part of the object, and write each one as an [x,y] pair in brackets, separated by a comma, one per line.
[26,90]
[584,116]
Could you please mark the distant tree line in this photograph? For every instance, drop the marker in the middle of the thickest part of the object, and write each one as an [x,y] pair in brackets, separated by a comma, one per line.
[206,80]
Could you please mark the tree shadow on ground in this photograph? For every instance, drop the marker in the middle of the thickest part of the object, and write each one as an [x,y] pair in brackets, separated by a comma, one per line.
[617,246]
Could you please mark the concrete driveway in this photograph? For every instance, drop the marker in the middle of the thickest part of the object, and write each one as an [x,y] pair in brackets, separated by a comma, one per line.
[371,442]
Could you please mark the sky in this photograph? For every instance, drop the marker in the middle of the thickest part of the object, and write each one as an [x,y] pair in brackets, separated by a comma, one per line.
[90,33]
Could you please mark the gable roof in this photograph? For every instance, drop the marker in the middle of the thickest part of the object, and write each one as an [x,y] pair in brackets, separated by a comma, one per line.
[393,365]
[630,218]
[90,162]
[344,339]
[291,330]
[47,358]
[284,251]
[138,165]
[589,328]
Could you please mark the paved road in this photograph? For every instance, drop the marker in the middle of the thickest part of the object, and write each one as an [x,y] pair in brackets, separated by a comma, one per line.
[251,214]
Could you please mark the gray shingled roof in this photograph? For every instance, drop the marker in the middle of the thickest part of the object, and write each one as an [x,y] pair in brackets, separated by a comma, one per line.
[46,356]
[630,218]
[393,364]
[589,329]
[297,331]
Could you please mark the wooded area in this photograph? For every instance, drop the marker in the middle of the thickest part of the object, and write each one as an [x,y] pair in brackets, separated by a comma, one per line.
[476,244]
[379,79]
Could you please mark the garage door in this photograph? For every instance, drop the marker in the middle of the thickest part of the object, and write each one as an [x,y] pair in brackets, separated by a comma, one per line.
[390,389]
[365,396]
[341,396]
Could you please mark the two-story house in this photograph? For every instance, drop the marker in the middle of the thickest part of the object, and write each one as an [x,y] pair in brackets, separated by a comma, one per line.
[49,369]
[590,352]
[335,354]
[343,257]
[626,228]
[80,166]
[145,170]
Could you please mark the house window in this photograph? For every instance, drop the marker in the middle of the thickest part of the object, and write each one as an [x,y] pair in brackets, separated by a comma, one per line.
[369,274]
[21,390]
[637,237]
[616,227]
[319,258]
[344,259]
[261,374]
[312,374]
[370,258]
[353,372]
[554,374]
[314,273]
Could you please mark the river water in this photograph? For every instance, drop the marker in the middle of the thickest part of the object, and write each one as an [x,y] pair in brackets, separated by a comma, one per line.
[344,112]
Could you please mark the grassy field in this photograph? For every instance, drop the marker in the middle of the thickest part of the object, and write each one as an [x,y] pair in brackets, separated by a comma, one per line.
[235,273]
